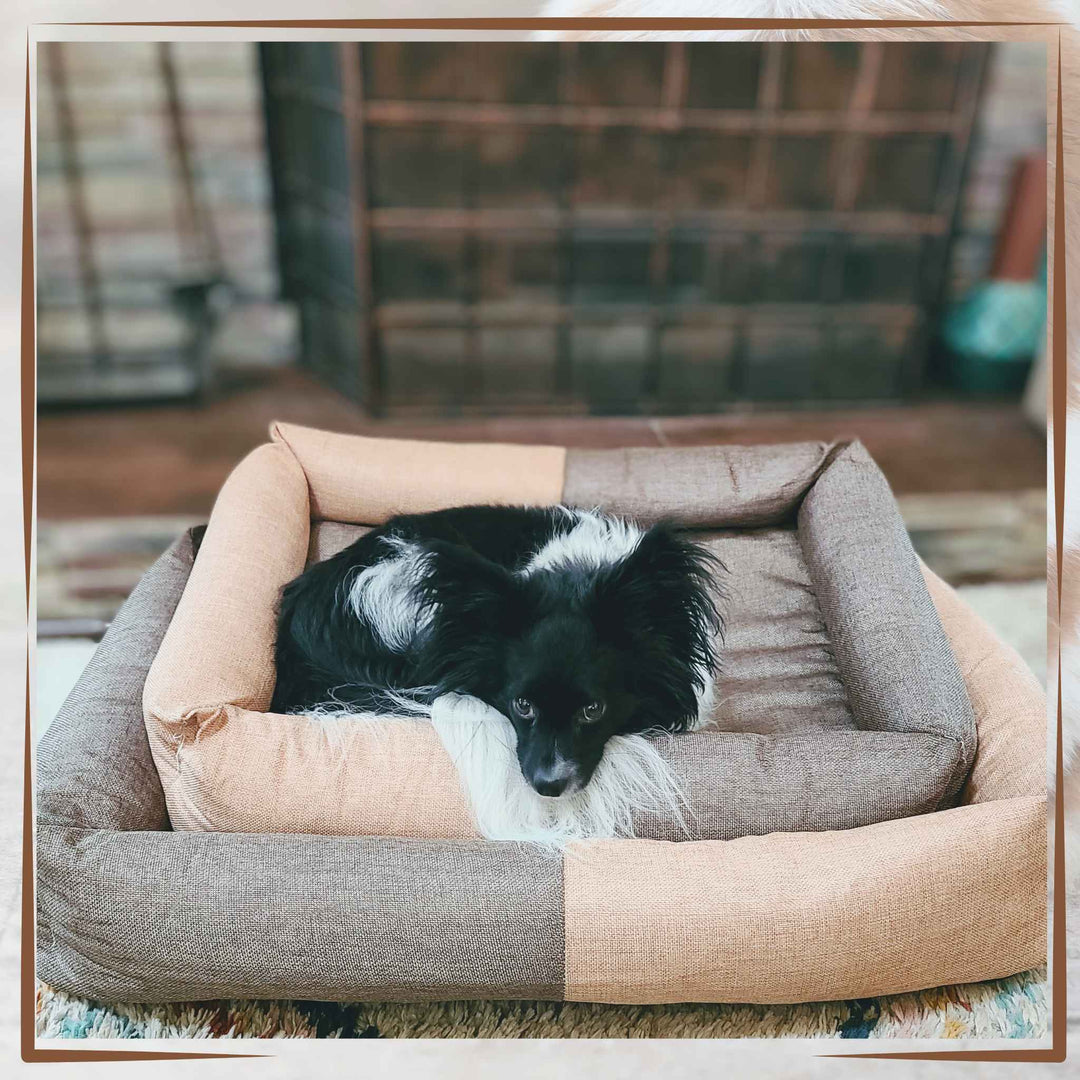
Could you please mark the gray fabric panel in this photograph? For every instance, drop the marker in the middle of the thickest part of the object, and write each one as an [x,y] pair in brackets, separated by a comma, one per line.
[329,537]
[740,784]
[143,916]
[94,767]
[702,486]
[778,672]
[891,649]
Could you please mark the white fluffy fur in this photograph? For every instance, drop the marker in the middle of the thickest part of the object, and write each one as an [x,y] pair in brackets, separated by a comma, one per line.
[596,540]
[382,595]
[751,9]
[631,777]
[924,10]
[730,9]
[706,700]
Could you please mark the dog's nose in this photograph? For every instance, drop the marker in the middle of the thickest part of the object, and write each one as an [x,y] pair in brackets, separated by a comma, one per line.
[553,778]
[551,786]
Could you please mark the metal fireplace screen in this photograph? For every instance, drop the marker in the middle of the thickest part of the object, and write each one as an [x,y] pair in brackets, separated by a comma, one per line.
[617,228]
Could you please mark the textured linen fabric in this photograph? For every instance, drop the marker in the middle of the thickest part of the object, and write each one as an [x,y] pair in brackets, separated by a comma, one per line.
[951,897]
[886,636]
[1009,703]
[748,784]
[803,570]
[330,537]
[778,671]
[160,916]
[219,648]
[266,772]
[704,486]
[94,767]
[364,481]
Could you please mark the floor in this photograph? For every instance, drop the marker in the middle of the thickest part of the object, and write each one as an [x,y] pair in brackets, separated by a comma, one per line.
[171,459]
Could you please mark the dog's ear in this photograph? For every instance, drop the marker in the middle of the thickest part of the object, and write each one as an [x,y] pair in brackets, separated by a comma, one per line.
[661,603]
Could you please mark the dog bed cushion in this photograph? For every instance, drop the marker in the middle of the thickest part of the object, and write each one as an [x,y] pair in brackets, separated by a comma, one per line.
[131,911]
[840,701]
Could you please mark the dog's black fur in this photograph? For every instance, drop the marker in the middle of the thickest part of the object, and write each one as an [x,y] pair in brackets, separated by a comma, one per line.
[571,653]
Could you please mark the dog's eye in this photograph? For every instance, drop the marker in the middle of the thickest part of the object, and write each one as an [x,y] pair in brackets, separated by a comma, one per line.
[524,708]
[593,711]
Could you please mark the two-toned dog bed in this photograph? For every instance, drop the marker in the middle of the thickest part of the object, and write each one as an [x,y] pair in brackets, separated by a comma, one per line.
[867,807]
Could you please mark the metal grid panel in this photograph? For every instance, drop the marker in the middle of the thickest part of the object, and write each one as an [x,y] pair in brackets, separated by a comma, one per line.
[612,228]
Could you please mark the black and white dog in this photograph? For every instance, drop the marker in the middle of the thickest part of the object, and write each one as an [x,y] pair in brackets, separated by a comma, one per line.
[576,626]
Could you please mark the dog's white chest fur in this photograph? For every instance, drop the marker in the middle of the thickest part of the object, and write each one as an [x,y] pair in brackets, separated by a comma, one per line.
[632,778]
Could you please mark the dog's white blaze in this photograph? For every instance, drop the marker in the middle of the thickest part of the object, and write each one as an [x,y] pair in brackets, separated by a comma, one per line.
[383,595]
[632,777]
[596,540]
[560,767]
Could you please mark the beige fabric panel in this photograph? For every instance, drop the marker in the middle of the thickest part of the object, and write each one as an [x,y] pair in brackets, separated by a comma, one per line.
[1009,703]
[268,773]
[365,481]
[951,897]
[219,648]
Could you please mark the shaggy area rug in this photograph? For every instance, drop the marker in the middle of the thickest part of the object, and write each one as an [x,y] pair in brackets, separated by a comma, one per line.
[1015,1008]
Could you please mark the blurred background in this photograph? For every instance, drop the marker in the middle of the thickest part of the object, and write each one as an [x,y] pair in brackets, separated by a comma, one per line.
[625,244]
